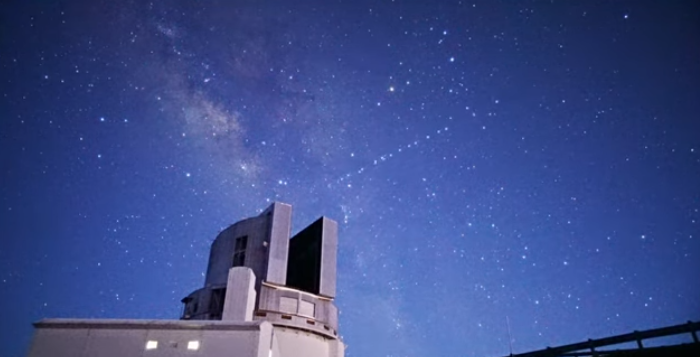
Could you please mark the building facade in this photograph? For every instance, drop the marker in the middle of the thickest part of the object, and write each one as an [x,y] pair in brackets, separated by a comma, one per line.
[264,295]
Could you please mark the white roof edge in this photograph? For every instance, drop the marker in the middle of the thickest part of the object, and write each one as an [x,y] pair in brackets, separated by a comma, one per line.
[148,324]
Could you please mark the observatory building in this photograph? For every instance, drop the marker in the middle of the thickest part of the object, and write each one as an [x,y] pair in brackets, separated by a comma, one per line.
[264,295]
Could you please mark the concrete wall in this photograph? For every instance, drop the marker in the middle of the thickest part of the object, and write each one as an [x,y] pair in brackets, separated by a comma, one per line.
[296,343]
[122,338]
[130,338]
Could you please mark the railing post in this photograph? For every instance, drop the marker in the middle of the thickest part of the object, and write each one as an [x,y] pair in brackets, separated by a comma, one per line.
[593,351]
[692,332]
[639,340]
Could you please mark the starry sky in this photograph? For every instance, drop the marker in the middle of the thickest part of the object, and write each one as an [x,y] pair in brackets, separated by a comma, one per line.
[522,163]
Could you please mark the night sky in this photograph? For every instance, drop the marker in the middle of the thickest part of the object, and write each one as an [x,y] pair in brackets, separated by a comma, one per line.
[530,162]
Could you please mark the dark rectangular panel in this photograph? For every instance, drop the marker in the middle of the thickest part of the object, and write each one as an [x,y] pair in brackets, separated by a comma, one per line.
[304,263]
[216,303]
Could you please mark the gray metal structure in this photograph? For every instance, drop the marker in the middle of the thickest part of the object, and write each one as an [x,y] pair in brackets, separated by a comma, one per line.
[295,279]
[264,295]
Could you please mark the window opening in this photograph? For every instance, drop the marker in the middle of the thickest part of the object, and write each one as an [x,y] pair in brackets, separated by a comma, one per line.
[239,251]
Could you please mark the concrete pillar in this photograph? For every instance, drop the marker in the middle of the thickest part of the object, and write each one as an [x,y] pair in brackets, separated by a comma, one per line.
[240,295]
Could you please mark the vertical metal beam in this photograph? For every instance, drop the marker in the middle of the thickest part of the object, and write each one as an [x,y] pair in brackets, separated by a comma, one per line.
[693,332]
[639,340]
[594,353]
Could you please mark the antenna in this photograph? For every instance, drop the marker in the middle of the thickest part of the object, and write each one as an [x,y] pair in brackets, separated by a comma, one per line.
[510,337]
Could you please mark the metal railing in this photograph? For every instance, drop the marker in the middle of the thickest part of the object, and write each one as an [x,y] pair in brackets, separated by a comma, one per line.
[591,347]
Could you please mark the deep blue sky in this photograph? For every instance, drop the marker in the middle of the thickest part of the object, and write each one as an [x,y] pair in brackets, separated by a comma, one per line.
[531,161]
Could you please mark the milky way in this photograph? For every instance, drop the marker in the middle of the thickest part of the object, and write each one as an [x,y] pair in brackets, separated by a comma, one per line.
[530,162]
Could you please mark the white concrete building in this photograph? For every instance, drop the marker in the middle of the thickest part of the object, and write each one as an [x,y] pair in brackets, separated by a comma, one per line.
[265,295]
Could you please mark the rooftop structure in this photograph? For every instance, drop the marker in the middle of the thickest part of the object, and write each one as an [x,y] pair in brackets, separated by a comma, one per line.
[256,272]
[264,295]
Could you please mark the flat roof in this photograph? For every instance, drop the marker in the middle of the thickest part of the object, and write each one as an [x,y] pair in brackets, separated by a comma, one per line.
[150,324]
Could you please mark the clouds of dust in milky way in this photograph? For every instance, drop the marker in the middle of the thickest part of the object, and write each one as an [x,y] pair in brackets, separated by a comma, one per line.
[314,121]
[205,89]
[209,124]
[230,77]
[216,131]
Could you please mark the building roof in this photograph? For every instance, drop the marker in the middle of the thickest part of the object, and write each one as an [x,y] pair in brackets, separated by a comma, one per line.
[150,324]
